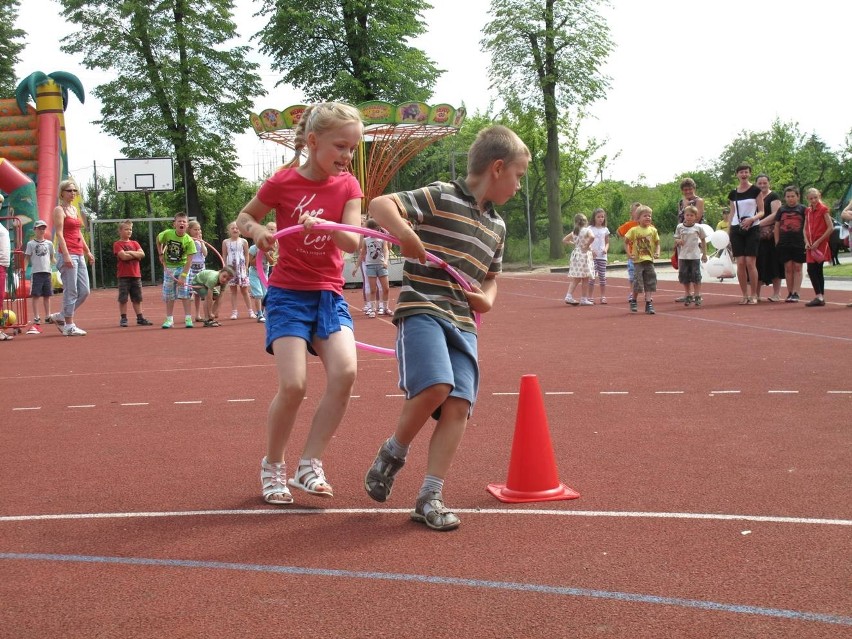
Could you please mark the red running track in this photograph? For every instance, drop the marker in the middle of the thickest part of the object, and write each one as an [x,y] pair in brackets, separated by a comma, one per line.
[711,447]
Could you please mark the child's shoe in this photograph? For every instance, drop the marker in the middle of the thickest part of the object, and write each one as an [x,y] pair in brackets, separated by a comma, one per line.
[569,299]
[698,300]
[379,479]
[273,479]
[36,320]
[585,301]
[603,300]
[123,322]
[234,315]
[168,323]
[649,308]
[252,315]
[141,321]
[188,322]
[430,510]
[633,308]
[261,318]
[687,300]
[370,312]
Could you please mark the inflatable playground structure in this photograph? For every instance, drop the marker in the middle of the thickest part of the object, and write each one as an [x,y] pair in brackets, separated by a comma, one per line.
[33,161]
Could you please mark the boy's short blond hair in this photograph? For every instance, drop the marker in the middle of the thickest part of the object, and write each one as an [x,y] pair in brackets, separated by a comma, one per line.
[690,209]
[495,143]
[644,208]
[181,214]
[125,223]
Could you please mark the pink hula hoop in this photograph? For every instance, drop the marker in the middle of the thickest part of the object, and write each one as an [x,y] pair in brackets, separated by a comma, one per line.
[369,233]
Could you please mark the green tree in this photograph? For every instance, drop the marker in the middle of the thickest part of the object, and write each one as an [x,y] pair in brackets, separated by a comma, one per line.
[10,46]
[182,87]
[547,54]
[349,50]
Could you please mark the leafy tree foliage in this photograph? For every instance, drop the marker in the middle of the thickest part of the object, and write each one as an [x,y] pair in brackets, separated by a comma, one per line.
[181,89]
[349,50]
[10,46]
[547,54]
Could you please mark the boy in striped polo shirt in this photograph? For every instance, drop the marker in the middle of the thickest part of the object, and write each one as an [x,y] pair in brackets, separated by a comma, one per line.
[436,341]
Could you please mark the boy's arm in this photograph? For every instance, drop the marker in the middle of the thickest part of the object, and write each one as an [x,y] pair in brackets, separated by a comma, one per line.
[384,210]
[482,299]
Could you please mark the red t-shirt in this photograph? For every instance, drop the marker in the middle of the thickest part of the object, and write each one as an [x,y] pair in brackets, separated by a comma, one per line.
[127,268]
[308,262]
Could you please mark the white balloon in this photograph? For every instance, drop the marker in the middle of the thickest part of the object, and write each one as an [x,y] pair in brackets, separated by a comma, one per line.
[720,239]
[708,230]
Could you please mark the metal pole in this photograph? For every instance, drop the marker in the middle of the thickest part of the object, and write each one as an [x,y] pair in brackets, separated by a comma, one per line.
[152,248]
[529,222]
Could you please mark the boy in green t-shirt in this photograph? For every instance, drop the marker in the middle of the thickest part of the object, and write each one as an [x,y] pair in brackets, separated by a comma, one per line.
[644,247]
[174,247]
[210,281]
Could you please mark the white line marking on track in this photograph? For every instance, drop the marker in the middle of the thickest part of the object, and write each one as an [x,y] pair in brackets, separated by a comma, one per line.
[614,393]
[194,401]
[725,392]
[559,393]
[136,404]
[81,406]
[248,399]
[782,392]
[397,511]
[27,408]
[515,393]
[394,395]
[840,392]
[668,392]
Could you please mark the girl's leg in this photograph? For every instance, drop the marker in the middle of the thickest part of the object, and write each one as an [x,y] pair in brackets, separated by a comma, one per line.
[291,366]
[742,275]
[751,269]
[233,289]
[602,277]
[245,293]
[584,288]
[817,278]
[340,361]
[385,287]
[797,277]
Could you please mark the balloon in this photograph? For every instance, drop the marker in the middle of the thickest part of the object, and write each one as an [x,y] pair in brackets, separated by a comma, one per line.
[8,318]
[322,226]
[708,230]
[720,239]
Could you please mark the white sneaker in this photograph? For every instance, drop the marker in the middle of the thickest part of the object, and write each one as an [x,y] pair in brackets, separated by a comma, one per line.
[252,315]
[73,331]
[234,315]
[59,321]
[586,302]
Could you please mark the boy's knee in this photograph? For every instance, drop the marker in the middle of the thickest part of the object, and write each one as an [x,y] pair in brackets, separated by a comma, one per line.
[292,390]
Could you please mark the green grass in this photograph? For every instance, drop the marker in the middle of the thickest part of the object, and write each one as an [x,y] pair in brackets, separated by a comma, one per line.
[844,270]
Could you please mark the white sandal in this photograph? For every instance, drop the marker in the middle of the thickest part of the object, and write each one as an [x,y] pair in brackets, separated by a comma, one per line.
[311,479]
[273,478]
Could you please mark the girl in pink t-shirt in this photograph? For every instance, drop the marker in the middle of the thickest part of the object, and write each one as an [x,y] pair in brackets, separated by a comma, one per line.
[305,309]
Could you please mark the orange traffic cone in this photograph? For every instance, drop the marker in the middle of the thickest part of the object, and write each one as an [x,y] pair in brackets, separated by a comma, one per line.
[532,467]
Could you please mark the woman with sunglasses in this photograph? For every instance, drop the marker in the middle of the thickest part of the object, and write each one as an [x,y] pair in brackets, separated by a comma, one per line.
[73,251]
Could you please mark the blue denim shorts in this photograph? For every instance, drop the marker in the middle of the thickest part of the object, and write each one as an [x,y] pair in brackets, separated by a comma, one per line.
[305,314]
[430,350]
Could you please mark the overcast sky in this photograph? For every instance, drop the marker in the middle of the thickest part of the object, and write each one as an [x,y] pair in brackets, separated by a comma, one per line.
[687,76]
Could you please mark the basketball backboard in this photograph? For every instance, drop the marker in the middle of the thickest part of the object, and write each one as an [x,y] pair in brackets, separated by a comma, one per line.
[144,174]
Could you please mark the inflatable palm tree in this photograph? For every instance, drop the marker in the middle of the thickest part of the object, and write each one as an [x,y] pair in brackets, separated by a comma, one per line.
[50,92]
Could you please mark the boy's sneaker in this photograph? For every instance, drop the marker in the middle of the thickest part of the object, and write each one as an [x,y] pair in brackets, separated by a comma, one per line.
[633,308]
[586,302]
[698,300]
[188,322]
[36,320]
[261,318]
[687,300]
[73,331]
[123,322]
[144,322]
[168,323]
[430,510]
[789,298]
[34,330]
[649,308]
[48,319]
[379,479]
[795,297]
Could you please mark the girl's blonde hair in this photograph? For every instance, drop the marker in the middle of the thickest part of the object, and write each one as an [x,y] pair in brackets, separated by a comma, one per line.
[495,143]
[319,118]
[580,221]
[812,191]
[595,216]
[194,224]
